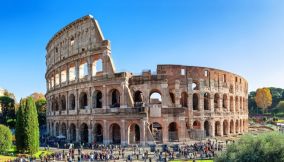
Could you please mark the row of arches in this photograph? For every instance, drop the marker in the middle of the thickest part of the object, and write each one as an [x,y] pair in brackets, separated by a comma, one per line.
[221,128]
[219,102]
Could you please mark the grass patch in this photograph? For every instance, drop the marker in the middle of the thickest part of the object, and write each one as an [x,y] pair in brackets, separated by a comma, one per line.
[43,153]
[6,158]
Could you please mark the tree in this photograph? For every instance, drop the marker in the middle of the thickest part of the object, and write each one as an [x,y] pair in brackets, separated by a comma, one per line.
[8,110]
[280,106]
[262,148]
[5,138]
[27,128]
[263,98]
[19,134]
[31,126]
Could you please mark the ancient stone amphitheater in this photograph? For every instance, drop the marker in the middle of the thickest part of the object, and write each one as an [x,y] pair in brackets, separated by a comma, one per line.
[88,101]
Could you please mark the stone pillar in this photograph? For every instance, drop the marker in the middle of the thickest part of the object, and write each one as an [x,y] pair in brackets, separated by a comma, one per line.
[78,138]
[212,130]
[89,62]
[67,131]
[201,102]
[105,97]
[123,103]
[143,133]
[212,104]
[165,132]
[77,71]
[164,94]
[220,101]
[123,133]
[177,94]
[182,130]
[105,133]
[221,128]
[67,74]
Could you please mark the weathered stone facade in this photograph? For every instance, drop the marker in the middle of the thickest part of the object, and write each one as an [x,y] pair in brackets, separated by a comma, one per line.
[89,103]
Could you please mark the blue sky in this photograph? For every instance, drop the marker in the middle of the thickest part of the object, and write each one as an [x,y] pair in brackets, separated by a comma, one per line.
[244,37]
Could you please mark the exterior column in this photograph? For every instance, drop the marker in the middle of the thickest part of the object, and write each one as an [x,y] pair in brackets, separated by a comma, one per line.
[105,97]
[67,74]
[221,128]
[89,62]
[77,71]
[123,135]
[212,130]
[105,133]
[143,132]
[212,104]
[165,132]
[182,130]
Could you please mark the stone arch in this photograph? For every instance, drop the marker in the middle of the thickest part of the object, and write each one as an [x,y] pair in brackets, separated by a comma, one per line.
[232,104]
[196,125]
[115,133]
[57,129]
[232,126]
[83,100]
[72,132]
[225,127]
[216,101]
[63,102]
[155,97]
[64,130]
[173,132]
[225,101]
[134,134]
[138,99]
[195,85]
[195,101]
[72,102]
[217,128]
[84,130]
[237,127]
[97,67]
[183,99]
[157,132]
[98,133]
[206,101]
[114,98]
[207,128]
[97,99]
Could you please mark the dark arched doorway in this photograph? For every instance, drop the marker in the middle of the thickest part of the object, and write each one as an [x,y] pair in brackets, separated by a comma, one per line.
[84,133]
[98,133]
[173,132]
[134,134]
[115,134]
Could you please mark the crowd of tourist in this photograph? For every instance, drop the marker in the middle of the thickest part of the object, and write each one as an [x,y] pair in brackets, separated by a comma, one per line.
[199,150]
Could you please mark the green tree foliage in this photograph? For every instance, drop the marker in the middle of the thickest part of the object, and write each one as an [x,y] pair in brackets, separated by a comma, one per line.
[29,139]
[41,110]
[19,134]
[5,138]
[8,111]
[267,147]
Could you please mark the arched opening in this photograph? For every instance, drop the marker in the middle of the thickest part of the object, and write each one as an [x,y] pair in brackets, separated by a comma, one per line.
[72,102]
[115,134]
[53,104]
[196,125]
[155,97]
[173,132]
[237,127]
[206,101]
[97,99]
[84,133]
[225,101]
[217,128]
[56,105]
[72,130]
[183,99]
[232,104]
[237,104]
[115,98]
[206,128]
[157,132]
[216,101]
[83,100]
[195,101]
[98,134]
[134,134]
[138,99]
[225,127]
[64,130]
[172,95]
[57,129]
[97,67]
[195,86]
[63,103]
[231,127]
[241,103]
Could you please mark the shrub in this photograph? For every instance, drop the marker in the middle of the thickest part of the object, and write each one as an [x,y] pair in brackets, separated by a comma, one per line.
[268,147]
[5,138]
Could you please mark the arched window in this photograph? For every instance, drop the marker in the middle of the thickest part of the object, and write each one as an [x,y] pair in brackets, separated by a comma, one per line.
[225,101]
[138,99]
[83,101]
[97,67]
[195,99]
[72,102]
[155,97]
[183,99]
[63,103]
[115,98]
[172,97]
[173,132]
[97,99]
[206,101]
[196,125]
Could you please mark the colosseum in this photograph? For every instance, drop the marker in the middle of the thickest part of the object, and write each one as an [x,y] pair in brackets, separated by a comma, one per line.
[89,102]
